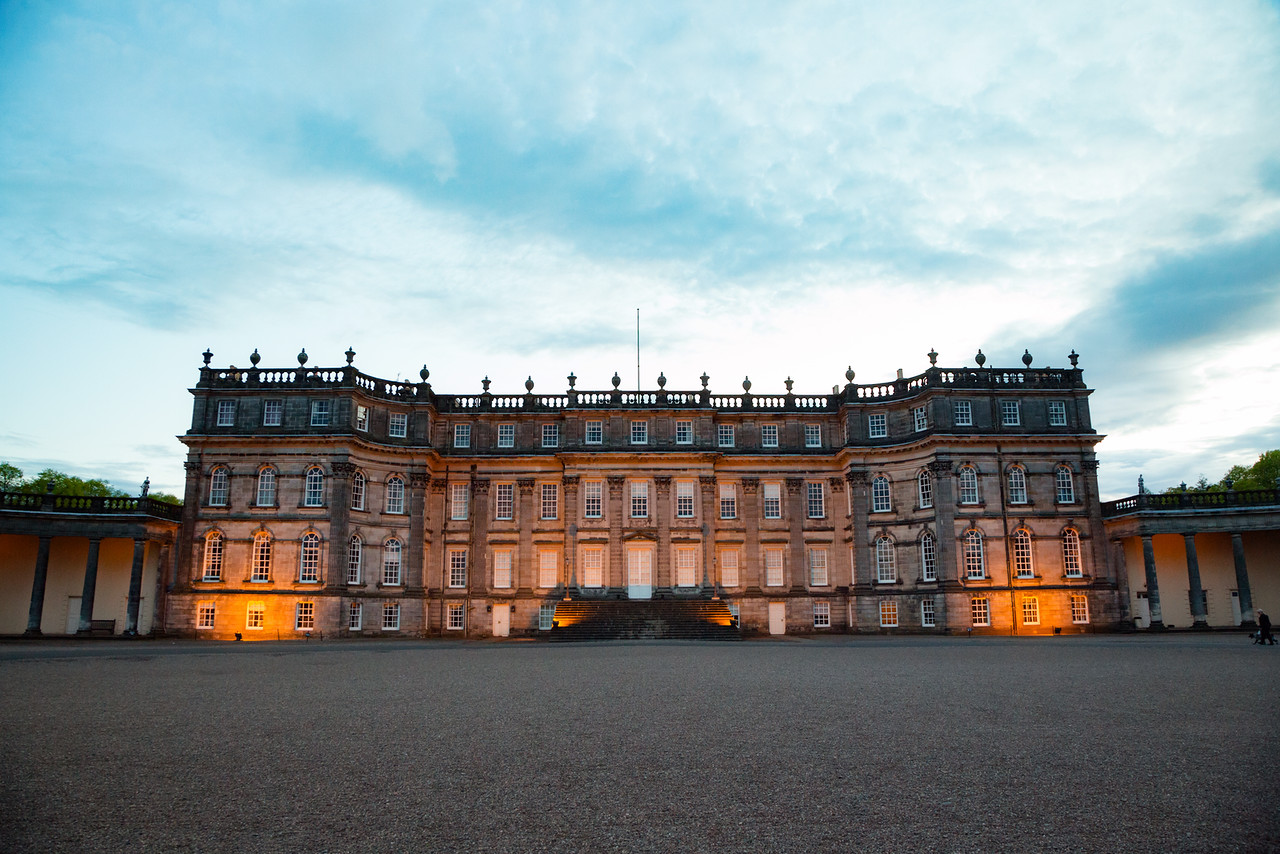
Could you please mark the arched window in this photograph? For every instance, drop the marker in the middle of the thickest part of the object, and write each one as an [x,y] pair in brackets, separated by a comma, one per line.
[314,496]
[395,494]
[1066,485]
[213,556]
[309,568]
[886,563]
[968,485]
[880,495]
[975,563]
[1071,565]
[1017,485]
[266,487]
[924,487]
[357,491]
[1022,561]
[218,486]
[355,559]
[391,562]
[261,569]
[928,557]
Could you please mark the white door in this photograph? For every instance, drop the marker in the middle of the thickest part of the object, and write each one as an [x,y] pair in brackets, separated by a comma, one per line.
[777,618]
[640,573]
[1144,611]
[73,614]
[1236,616]
[501,620]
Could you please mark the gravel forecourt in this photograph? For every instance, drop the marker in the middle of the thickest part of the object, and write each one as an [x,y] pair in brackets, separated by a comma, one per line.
[1127,743]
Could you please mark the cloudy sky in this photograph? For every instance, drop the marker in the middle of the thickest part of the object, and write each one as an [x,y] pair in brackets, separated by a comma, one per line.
[782,190]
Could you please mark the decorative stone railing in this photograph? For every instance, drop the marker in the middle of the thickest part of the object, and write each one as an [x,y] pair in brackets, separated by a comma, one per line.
[1184,501]
[348,377]
[100,504]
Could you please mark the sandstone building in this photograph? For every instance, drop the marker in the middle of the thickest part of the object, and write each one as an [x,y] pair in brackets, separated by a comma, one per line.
[327,501]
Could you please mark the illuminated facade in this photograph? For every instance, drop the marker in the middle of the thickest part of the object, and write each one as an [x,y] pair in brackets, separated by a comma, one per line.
[328,501]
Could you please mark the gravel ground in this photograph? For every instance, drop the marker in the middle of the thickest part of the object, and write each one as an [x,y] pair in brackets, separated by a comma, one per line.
[1096,743]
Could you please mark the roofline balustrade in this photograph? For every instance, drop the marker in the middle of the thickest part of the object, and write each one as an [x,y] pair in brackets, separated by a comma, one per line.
[1184,501]
[89,504]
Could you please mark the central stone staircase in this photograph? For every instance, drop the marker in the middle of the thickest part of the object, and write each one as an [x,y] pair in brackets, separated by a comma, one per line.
[633,619]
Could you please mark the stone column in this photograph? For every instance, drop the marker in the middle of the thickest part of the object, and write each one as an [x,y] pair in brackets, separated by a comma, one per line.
[37,587]
[617,578]
[90,587]
[1096,540]
[1242,583]
[796,514]
[135,588]
[663,576]
[1199,619]
[749,560]
[525,569]
[1153,585]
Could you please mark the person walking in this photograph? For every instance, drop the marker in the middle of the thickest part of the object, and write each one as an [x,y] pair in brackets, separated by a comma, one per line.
[1264,628]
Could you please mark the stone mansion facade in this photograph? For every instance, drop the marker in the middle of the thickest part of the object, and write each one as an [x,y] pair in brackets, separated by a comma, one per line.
[326,501]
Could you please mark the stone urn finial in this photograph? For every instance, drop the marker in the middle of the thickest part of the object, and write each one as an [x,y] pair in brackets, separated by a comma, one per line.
[933,358]
[788,382]
[705,379]
[746,384]
[980,359]
[572,380]
[849,375]
[254,358]
[528,384]
[485,383]
[424,373]
[302,357]
[662,380]
[350,354]
[208,356]
[1026,358]
[1074,357]
[617,380]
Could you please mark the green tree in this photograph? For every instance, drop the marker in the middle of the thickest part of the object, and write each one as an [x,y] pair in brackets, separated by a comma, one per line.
[1262,474]
[10,478]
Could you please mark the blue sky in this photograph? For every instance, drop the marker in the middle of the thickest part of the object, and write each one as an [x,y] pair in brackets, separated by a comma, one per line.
[783,190]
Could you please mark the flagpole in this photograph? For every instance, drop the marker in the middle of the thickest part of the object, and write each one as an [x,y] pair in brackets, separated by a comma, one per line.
[637,349]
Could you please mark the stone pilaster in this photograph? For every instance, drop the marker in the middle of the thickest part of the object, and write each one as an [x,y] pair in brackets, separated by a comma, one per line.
[749,563]
[339,534]
[796,514]
[525,568]
[617,576]
[662,508]
[478,579]
[571,516]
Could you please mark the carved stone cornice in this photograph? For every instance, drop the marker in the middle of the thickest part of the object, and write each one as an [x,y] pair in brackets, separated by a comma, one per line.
[708,484]
[750,485]
[525,485]
[794,485]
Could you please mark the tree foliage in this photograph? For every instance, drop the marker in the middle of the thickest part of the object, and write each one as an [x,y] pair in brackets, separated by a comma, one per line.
[12,480]
[1263,474]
